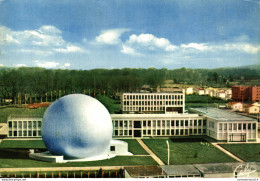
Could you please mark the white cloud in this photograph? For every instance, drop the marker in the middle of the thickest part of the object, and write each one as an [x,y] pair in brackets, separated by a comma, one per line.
[243,47]
[110,37]
[150,42]
[66,65]
[46,64]
[69,49]
[128,50]
[197,46]
[20,65]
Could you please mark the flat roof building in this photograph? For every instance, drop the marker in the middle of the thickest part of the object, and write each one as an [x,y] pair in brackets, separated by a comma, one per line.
[228,126]
[153,102]
[181,171]
[149,125]
[246,93]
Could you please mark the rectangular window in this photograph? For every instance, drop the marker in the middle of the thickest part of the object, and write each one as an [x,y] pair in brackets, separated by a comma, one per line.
[24,133]
[230,126]
[190,131]
[120,123]
[220,126]
[163,123]
[112,148]
[144,132]
[34,124]
[125,124]
[199,131]
[149,123]
[181,132]
[130,132]
[39,124]
[10,124]
[244,126]
[199,122]
[19,133]
[154,123]
[30,124]
[172,132]
[249,126]
[195,122]
[225,126]
[168,123]
[116,132]
[204,122]
[125,132]
[15,133]
[15,124]
[172,123]
[168,132]
[177,132]
[158,123]
[149,132]
[34,133]
[190,122]
[254,126]
[177,123]
[116,124]
[239,126]
[195,131]
[186,122]
[20,125]
[181,122]
[10,133]
[235,126]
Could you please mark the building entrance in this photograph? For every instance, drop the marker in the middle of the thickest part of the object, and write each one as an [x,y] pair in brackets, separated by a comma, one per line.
[137,133]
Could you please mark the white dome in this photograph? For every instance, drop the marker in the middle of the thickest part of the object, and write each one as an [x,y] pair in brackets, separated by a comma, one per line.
[77,126]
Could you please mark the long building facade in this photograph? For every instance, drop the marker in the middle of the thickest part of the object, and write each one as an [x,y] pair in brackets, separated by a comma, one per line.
[153,102]
[157,125]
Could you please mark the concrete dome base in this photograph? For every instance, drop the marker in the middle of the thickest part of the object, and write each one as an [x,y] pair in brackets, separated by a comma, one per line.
[119,148]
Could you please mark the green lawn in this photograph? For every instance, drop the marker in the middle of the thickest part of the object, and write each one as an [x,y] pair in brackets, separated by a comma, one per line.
[5,112]
[17,159]
[187,151]
[22,144]
[134,147]
[247,152]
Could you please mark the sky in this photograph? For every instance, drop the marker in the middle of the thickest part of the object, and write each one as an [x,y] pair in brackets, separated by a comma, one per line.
[90,34]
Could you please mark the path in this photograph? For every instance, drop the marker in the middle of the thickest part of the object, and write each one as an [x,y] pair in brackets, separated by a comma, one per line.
[140,141]
[60,169]
[227,152]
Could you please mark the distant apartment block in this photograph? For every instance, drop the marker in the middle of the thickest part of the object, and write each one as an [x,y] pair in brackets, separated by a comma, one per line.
[153,102]
[246,93]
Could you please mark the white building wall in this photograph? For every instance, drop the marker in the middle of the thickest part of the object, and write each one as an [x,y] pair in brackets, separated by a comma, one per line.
[152,102]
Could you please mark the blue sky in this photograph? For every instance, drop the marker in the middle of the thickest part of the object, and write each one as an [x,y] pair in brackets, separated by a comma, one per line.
[80,34]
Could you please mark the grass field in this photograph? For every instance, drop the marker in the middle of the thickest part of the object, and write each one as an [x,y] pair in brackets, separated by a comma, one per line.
[187,151]
[5,112]
[26,144]
[134,147]
[247,152]
[10,159]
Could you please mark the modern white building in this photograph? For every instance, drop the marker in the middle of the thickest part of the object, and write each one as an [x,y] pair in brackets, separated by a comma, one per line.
[24,126]
[153,102]
[157,125]
[228,126]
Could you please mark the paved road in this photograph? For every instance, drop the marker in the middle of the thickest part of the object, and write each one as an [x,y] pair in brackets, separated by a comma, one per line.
[227,152]
[140,141]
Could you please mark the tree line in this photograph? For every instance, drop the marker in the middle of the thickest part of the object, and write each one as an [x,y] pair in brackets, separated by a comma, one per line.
[39,84]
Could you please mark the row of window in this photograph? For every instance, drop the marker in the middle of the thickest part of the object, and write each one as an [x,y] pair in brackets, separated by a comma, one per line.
[153,96]
[237,126]
[24,124]
[24,133]
[143,108]
[158,123]
[148,103]
[159,132]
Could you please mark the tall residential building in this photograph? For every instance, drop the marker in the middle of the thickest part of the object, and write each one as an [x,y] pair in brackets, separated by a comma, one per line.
[246,93]
[153,103]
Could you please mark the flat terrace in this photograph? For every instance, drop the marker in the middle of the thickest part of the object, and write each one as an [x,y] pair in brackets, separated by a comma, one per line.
[220,114]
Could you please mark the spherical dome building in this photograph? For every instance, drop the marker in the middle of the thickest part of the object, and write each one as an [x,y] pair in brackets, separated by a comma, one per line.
[77,126]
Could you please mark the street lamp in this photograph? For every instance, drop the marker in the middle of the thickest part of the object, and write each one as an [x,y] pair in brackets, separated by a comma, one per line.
[168,152]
